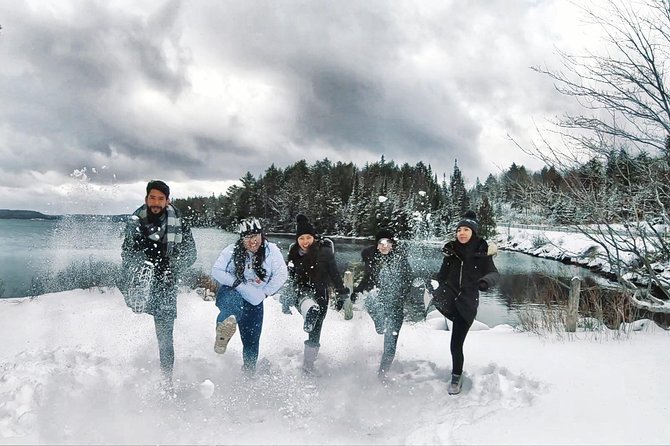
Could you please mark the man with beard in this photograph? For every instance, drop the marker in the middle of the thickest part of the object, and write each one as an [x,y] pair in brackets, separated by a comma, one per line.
[159,247]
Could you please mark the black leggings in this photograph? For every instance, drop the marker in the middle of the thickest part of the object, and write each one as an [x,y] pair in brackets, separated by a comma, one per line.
[458,333]
[315,335]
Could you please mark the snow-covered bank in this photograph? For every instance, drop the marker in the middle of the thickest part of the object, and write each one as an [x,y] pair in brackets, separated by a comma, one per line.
[80,367]
[569,247]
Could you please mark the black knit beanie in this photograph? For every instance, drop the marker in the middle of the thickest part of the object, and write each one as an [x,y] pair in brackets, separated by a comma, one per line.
[159,186]
[303,226]
[469,220]
[384,233]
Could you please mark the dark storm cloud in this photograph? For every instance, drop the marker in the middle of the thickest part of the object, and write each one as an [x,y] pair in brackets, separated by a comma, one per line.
[342,64]
[209,90]
[70,73]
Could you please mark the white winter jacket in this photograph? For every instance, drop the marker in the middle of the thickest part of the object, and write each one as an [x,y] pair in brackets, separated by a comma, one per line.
[253,289]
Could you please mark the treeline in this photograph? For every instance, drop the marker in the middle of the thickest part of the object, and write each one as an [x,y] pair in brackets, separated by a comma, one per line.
[614,187]
[341,198]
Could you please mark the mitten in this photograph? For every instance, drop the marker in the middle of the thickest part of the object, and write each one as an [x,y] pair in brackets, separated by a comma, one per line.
[342,295]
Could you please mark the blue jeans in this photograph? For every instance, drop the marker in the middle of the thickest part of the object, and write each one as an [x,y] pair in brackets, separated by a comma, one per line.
[387,315]
[164,333]
[249,321]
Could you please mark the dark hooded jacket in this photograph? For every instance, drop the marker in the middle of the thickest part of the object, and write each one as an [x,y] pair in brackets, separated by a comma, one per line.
[314,271]
[390,273]
[463,268]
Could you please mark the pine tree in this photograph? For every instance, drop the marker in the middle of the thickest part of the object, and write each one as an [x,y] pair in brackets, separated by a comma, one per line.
[460,202]
[487,223]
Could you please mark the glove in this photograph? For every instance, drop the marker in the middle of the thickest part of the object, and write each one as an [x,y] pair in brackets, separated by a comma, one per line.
[343,293]
[353,297]
[483,286]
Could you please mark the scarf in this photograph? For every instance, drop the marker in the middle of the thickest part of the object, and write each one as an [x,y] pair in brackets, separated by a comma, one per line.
[169,231]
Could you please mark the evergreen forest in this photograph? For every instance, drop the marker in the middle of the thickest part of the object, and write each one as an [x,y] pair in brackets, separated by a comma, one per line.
[344,199]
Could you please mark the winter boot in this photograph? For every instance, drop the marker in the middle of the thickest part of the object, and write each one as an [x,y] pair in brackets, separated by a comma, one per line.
[224,331]
[374,310]
[285,304]
[378,321]
[310,311]
[311,353]
[455,384]
[383,374]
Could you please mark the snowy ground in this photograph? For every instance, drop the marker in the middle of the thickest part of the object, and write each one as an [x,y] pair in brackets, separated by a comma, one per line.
[80,368]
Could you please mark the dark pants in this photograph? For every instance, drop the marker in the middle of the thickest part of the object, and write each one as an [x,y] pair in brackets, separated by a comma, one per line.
[315,335]
[392,324]
[164,333]
[387,315]
[249,321]
[458,334]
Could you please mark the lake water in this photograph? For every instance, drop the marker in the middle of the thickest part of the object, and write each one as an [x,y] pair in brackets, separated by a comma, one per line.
[29,248]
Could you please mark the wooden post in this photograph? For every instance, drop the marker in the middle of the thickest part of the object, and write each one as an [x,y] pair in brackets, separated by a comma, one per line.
[573,305]
[348,306]
[348,280]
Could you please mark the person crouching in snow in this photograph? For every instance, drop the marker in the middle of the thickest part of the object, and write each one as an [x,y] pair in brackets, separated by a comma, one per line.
[311,267]
[247,271]
[386,268]
[467,269]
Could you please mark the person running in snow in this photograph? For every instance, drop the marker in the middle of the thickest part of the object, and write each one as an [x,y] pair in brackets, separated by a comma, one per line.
[467,269]
[156,234]
[247,271]
[311,266]
[386,269]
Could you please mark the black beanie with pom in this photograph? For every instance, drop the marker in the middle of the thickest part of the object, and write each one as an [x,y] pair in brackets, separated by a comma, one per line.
[469,220]
[303,226]
[384,233]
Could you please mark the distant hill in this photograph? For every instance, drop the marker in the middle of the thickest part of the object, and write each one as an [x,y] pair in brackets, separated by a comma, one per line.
[34,215]
[26,215]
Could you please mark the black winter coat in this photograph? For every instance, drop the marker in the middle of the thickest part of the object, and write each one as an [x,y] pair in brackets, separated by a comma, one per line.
[137,248]
[463,268]
[390,273]
[314,271]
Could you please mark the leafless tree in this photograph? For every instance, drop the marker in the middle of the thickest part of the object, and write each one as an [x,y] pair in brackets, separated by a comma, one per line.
[623,90]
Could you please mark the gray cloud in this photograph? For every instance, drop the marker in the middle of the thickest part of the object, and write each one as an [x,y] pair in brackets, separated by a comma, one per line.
[210,90]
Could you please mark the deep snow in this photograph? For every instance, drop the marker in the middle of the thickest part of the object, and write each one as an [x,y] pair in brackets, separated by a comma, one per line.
[80,367]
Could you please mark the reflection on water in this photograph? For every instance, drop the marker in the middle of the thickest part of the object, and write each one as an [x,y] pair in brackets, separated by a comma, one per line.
[29,248]
[524,280]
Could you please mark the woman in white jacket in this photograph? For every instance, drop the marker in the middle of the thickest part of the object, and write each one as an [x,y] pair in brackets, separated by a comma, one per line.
[247,271]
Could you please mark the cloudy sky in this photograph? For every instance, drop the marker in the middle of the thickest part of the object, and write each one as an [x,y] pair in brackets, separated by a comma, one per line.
[99,96]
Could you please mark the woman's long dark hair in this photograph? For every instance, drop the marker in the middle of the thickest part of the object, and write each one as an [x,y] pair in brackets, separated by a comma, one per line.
[310,258]
[239,258]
